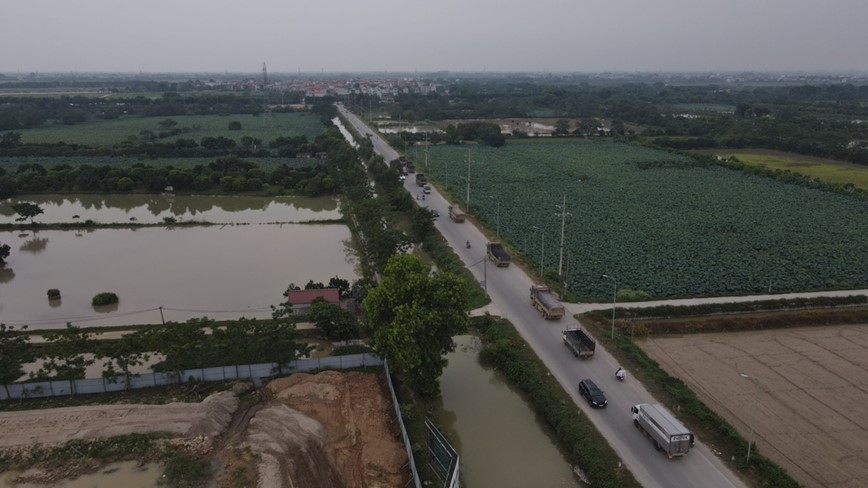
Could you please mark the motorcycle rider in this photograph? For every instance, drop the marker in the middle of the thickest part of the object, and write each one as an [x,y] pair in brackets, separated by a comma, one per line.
[620,374]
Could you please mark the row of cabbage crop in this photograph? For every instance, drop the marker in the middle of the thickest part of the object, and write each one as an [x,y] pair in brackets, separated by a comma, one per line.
[658,222]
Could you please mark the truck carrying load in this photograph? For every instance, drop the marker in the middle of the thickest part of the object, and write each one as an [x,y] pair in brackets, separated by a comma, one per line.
[580,343]
[456,214]
[667,433]
[421,180]
[497,254]
[544,300]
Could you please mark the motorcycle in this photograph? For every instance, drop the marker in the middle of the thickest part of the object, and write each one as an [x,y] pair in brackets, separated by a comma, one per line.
[468,244]
[620,374]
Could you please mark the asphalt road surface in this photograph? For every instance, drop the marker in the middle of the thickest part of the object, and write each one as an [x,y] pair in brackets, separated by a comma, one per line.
[509,292]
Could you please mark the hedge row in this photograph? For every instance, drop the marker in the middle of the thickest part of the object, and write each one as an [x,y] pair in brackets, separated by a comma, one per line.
[738,307]
[582,443]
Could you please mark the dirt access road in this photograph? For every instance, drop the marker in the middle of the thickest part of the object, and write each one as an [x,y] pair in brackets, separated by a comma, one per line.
[331,429]
[809,389]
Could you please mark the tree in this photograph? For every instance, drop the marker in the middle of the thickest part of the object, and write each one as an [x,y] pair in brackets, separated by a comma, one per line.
[413,315]
[337,323]
[234,125]
[4,253]
[180,344]
[27,210]
[65,357]
[167,123]
[562,127]
[15,350]
[122,356]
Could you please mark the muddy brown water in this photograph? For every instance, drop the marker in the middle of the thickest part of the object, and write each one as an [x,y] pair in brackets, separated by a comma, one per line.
[500,440]
[222,272]
[127,474]
[109,209]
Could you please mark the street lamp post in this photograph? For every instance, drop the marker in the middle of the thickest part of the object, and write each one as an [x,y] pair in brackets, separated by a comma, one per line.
[753,416]
[614,301]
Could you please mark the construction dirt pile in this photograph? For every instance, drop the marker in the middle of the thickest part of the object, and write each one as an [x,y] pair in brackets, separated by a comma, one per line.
[328,430]
[56,425]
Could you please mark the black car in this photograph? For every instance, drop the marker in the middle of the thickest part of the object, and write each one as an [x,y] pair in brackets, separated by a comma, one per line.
[594,395]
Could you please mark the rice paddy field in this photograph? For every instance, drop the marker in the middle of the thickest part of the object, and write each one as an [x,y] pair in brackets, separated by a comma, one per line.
[109,133]
[825,169]
[657,222]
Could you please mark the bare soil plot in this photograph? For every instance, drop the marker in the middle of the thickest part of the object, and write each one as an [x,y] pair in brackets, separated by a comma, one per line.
[810,395]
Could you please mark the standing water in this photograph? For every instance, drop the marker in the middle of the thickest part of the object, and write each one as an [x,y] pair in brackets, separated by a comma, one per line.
[500,440]
[127,474]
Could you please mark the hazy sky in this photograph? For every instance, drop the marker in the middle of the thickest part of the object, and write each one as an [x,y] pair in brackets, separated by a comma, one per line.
[408,35]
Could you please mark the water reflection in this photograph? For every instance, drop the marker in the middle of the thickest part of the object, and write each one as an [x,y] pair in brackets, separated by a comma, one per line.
[223,272]
[510,449]
[6,274]
[155,208]
[35,245]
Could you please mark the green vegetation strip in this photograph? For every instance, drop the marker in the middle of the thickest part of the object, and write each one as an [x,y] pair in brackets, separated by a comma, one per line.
[737,307]
[581,441]
[77,457]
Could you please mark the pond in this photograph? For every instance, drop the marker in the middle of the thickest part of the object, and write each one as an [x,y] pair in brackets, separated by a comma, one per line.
[223,272]
[149,209]
[500,440]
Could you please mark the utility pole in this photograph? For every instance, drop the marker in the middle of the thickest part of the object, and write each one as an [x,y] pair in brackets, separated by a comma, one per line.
[468,180]
[563,224]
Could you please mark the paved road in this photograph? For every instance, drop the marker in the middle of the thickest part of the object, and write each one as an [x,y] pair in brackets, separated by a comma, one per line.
[509,291]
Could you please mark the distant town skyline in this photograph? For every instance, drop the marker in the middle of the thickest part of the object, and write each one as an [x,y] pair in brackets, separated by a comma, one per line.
[344,36]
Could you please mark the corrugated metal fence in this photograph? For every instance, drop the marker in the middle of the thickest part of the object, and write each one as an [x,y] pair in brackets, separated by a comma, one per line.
[254,372]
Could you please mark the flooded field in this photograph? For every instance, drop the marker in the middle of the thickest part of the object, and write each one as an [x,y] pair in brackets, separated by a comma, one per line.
[149,209]
[222,272]
[500,440]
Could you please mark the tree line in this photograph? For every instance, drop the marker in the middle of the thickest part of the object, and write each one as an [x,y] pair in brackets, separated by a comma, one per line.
[818,120]
[229,174]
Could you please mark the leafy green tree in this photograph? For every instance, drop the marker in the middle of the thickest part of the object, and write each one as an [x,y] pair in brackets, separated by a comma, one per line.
[27,210]
[10,139]
[562,127]
[334,321]
[123,356]
[234,125]
[15,350]
[4,253]
[413,315]
[167,123]
[276,340]
[66,356]
[422,223]
[180,344]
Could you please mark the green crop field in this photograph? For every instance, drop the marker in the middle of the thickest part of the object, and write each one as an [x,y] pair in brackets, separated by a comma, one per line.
[825,169]
[658,222]
[113,132]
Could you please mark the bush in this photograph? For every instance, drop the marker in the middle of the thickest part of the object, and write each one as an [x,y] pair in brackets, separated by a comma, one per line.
[53,293]
[105,298]
[234,125]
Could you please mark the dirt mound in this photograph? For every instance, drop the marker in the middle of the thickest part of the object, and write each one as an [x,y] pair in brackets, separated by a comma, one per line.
[56,425]
[330,429]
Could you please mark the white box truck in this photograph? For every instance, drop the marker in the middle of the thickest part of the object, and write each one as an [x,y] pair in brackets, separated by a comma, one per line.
[667,433]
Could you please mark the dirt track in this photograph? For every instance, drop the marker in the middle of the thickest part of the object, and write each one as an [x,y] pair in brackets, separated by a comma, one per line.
[326,430]
[812,401]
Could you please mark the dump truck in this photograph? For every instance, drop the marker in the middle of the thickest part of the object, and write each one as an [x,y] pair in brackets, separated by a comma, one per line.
[456,214]
[544,300]
[580,343]
[497,254]
[421,180]
[667,433]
